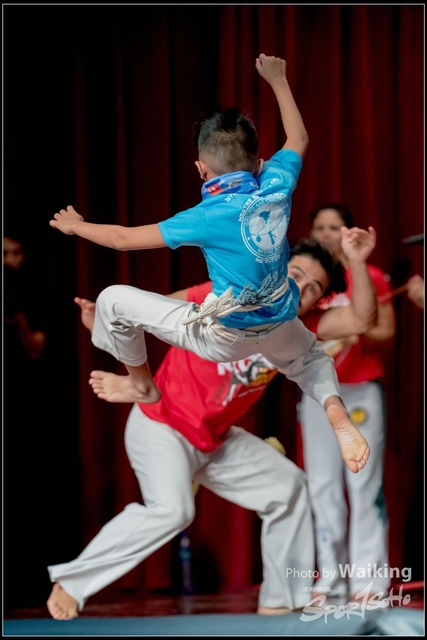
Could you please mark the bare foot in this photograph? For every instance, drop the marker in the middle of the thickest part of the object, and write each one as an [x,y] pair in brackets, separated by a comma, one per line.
[88,312]
[354,448]
[114,388]
[61,605]
[270,611]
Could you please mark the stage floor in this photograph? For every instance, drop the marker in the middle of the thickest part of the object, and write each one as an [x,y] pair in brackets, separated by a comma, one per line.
[142,605]
[212,615]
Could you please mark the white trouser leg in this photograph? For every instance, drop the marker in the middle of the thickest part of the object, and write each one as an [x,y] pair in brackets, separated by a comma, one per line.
[324,466]
[164,463]
[368,526]
[124,313]
[249,472]
[296,355]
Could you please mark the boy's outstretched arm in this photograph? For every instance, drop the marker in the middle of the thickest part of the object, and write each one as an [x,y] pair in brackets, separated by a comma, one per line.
[108,235]
[273,70]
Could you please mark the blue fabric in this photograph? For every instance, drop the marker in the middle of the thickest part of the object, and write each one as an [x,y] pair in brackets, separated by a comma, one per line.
[393,622]
[241,227]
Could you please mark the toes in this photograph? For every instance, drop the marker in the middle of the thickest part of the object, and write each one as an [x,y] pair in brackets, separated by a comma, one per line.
[58,607]
[96,385]
[55,611]
[97,374]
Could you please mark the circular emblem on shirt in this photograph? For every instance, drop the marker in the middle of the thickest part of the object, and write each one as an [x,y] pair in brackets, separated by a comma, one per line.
[264,225]
[359,416]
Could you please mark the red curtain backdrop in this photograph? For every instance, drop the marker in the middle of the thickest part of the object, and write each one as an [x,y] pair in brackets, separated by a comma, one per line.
[105,110]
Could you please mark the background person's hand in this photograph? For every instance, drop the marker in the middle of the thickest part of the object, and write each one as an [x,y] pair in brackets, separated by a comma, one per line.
[358,244]
[416,290]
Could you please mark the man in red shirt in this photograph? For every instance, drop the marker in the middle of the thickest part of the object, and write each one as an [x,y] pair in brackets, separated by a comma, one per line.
[190,436]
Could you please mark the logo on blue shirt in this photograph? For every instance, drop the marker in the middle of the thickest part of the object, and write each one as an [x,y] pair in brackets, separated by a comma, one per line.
[264,223]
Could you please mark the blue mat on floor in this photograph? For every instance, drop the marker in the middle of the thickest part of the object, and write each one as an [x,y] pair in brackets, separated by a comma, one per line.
[395,622]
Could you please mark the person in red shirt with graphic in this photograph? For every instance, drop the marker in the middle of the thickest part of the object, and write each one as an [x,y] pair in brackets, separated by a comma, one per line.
[347,555]
[190,436]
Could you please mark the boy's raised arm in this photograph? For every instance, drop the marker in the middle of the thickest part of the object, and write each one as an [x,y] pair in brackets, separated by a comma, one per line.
[273,70]
[108,235]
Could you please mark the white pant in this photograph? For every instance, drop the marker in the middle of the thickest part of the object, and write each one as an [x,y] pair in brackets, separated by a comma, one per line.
[367,531]
[123,313]
[245,470]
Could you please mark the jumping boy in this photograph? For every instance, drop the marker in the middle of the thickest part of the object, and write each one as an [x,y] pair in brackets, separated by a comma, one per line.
[241,226]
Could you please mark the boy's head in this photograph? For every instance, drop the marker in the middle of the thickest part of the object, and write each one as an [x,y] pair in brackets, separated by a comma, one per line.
[227,141]
[316,272]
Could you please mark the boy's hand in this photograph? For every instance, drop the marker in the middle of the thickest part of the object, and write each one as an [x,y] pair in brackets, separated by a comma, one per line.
[271,68]
[358,244]
[65,219]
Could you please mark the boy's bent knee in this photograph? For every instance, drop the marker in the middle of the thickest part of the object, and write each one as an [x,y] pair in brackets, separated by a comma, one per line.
[113,293]
[116,302]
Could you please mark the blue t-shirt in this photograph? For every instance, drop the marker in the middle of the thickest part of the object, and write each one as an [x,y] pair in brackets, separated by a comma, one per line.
[241,227]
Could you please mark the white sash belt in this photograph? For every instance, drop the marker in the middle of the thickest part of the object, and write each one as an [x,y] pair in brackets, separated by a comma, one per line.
[221,306]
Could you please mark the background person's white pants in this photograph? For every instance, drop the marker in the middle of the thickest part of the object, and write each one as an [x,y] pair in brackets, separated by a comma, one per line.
[245,470]
[123,314]
[364,543]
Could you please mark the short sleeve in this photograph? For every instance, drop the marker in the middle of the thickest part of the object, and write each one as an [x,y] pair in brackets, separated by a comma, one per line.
[187,228]
[285,160]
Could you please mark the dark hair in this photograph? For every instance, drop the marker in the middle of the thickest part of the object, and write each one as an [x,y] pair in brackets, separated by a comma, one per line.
[341,209]
[228,139]
[319,252]
[14,233]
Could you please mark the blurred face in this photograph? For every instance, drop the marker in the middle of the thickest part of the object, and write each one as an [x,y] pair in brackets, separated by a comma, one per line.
[311,278]
[13,253]
[326,229]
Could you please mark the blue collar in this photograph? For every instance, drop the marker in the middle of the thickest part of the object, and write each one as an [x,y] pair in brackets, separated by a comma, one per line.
[236,182]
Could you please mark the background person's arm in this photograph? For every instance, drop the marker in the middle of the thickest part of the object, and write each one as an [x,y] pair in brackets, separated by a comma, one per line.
[361,315]
[179,295]
[33,342]
[382,334]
